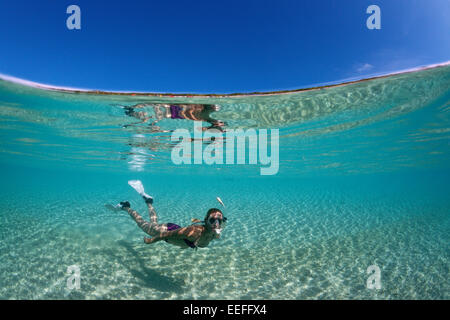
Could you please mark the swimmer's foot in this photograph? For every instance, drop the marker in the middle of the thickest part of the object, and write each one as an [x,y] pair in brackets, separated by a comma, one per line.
[147,199]
[118,207]
[124,205]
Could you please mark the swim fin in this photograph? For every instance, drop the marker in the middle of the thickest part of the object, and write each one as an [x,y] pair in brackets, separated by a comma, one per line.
[115,208]
[137,185]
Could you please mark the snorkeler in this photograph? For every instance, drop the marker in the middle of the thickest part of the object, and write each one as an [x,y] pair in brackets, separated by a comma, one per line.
[195,112]
[194,236]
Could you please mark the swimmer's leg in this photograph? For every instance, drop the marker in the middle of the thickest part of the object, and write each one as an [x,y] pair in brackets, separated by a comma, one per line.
[151,210]
[154,227]
[150,228]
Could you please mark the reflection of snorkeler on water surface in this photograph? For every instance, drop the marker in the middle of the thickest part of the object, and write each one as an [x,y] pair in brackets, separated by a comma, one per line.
[195,112]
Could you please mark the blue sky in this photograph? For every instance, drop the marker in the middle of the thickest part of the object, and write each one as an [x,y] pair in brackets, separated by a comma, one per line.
[217,46]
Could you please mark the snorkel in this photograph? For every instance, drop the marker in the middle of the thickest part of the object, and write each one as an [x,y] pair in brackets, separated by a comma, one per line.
[221,226]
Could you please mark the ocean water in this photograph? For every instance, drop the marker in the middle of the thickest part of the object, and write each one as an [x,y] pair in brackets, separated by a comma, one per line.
[363,179]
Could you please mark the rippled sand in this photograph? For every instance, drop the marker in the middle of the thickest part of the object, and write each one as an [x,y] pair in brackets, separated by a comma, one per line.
[286,239]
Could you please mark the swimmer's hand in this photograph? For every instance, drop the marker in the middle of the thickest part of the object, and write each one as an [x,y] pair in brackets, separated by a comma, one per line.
[191,233]
[151,240]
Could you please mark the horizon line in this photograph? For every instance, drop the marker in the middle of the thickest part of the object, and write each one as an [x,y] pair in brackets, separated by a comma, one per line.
[322,85]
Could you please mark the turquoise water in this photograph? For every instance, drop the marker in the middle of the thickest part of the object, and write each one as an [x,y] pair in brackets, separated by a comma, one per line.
[363,180]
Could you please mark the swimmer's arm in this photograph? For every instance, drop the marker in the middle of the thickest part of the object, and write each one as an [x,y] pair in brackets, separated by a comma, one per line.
[191,233]
[135,123]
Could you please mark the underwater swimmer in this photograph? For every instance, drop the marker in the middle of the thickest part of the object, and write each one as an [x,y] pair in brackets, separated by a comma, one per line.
[193,236]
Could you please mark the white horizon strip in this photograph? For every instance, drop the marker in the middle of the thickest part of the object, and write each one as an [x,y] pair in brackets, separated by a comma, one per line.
[44,86]
[38,85]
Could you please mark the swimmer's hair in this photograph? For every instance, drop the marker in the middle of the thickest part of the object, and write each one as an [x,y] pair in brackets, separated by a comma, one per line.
[210,212]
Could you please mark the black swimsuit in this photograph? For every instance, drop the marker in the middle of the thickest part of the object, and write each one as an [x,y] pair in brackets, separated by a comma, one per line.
[173,226]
